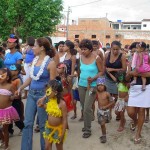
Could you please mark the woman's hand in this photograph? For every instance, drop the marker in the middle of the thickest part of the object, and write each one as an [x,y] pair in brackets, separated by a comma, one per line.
[18,92]
[90,80]
[110,69]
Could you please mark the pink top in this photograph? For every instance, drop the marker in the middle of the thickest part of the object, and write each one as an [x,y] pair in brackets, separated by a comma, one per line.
[145,67]
[5,92]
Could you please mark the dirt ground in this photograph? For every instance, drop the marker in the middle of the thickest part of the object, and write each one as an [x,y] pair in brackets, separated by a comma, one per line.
[74,141]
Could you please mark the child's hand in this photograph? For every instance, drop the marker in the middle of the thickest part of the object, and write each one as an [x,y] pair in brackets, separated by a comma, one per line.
[40,102]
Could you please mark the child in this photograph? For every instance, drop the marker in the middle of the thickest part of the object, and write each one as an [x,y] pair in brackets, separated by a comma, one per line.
[104,103]
[76,96]
[55,128]
[123,88]
[17,102]
[66,84]
[141,61]
[8,114]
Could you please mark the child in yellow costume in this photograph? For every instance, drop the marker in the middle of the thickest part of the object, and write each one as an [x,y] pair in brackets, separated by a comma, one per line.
[55,127]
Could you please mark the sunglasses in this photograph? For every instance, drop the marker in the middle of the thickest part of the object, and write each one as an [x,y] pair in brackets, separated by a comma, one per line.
[3,76]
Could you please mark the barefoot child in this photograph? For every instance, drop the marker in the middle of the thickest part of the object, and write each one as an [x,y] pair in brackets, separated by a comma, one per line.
[123,88]
[104,103]
[55,127]
[76,96]
[8,114]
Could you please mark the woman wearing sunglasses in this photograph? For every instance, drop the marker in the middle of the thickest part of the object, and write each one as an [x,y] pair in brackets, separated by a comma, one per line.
[14,56]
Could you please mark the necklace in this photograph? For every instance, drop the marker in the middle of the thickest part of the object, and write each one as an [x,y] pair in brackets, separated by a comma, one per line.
[46,58]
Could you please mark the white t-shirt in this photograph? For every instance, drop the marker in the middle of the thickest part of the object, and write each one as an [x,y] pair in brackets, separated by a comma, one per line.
[61,59]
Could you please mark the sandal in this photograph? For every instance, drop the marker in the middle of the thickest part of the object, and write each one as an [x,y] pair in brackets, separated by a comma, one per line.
[73,117]
[137,141]
[103,139]
[86,135]
[132,126]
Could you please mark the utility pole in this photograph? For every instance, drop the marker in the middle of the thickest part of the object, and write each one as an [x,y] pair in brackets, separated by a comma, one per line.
[67,26]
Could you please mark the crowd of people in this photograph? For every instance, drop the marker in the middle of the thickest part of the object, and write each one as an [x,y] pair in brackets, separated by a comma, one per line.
[54,79]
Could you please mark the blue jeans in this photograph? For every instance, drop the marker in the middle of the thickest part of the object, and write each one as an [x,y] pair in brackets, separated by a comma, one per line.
[30,112]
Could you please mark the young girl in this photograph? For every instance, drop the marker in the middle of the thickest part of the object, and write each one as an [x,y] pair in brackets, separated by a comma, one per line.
[17,102]
[8,114]
[55,127]
[141,61]
[66,84]
[76,96]
[104,103]
[121,103]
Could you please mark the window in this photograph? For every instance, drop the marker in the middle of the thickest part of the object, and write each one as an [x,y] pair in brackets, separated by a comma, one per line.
[107,36]
[144,25]
[76,36]
[134,27]
[117,36]
[115,26]
[93,36]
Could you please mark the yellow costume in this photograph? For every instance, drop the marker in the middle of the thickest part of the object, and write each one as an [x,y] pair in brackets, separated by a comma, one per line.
[53,133]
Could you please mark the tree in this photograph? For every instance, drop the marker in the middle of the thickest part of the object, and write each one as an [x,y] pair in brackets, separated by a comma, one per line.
[29,17]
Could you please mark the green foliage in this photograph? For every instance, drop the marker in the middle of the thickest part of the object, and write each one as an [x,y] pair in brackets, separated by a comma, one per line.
[29,17]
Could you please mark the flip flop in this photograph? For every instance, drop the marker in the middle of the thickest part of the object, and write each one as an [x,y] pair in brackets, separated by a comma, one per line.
[86,135]
[103,139]
[73,117]
[137,141]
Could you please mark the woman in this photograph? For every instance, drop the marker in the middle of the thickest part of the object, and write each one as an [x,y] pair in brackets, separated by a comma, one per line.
[61,52]
[56,57]
[70,58]
[90,68]
[114,62]
[14,56]
[137,102]
[42,70]
[29,56]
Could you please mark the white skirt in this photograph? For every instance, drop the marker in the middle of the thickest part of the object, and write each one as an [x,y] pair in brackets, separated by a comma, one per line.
[139,98]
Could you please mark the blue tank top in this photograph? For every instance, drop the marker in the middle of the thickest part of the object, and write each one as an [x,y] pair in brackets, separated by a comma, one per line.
[44,78]
[90,70]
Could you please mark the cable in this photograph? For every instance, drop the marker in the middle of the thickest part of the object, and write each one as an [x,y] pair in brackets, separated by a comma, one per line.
[86,3]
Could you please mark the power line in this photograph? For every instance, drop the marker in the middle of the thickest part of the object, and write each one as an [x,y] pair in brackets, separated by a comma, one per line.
[86,3]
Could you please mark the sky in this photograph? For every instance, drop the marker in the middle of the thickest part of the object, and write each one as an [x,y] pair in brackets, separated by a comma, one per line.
[125,10]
